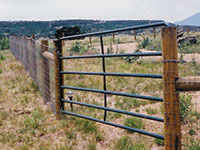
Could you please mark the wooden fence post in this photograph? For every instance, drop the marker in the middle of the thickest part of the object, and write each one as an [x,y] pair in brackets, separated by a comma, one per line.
[172,124]
[154,33]
[135,34]
[33,57]
[188,29]
[90,40]
[45,73]
[59,93]
[113,35]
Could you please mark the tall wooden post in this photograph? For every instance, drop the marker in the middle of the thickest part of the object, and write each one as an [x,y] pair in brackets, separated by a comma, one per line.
[172,124]
[188,29]
[113,35]
[63,41]
[90,40]
[45,73]
[154,33]
[59,93]
[135,34]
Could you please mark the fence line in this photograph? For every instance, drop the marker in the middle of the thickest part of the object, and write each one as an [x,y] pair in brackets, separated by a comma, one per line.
[30,54]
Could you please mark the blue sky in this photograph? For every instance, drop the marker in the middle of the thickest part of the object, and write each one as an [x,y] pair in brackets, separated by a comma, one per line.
[168,10]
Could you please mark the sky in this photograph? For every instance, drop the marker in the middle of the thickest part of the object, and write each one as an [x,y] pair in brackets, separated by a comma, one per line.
[168,10]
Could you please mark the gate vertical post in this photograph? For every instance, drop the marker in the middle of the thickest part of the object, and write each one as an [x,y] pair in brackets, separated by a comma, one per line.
[45,72]
[59,93]
[172,124]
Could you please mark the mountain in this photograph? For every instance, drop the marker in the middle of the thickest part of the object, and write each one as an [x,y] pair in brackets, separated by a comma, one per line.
[48,28]
[193,20]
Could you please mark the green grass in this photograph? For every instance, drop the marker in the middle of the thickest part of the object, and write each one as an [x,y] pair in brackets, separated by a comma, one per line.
[134,122]
[194,145]
[159,142]
[86,126]
[151,111]
[125,143]
[2,57]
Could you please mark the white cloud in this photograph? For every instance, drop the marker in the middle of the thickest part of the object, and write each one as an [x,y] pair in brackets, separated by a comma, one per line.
[169,10]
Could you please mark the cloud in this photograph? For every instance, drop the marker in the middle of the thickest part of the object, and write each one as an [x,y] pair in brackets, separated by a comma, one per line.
[170,10]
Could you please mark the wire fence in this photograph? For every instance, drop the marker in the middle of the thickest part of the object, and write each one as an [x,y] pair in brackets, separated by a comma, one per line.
[41,69]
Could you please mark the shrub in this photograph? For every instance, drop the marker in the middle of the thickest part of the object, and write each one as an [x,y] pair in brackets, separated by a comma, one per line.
[78,47]
[4,43]
[2,57]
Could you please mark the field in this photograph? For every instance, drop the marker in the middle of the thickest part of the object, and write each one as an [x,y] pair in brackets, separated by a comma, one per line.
[26,123]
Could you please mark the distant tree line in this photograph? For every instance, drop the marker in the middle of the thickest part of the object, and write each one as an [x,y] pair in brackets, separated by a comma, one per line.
[48,28]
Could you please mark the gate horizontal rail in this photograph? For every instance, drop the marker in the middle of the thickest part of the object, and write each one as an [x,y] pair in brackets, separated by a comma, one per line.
[115,110]
[113,93]
[156,76]
[113,55]
[115,125]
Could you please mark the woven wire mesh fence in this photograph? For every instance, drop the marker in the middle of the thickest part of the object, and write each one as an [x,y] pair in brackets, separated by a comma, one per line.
[29,52]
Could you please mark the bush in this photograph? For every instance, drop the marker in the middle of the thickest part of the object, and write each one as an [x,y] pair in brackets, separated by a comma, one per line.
[150,44]
[78,47]
[185,106]
[4,43]
[2,57]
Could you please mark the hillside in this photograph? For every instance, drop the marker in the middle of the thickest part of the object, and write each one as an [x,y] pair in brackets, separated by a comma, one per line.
[47,28]
[193,20]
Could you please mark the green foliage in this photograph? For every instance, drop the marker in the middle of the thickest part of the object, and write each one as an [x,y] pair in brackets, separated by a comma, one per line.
[151,111]
[132,59]
[2,57]
[159,142]
[78,47]
[192,132]
[4,43]
[185,106]
[125,143]
[150,44]
[134,122]
[188,47]
[194,145]
[67,31]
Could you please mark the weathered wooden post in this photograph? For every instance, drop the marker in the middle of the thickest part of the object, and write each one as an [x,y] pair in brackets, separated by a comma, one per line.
[172,123]
[63,42]
[188,29]
[135,34]
[90,40]
[113,35]
[45,72]
[59,93]
[154,33]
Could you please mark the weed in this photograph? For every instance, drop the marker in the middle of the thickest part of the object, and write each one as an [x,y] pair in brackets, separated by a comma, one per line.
[159,142]
[151,111]
[92,146]
[185,106]
[3,115]
[1,70]
[134,122]
[192,132]
[64,147]
[125,143]
[194,145]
